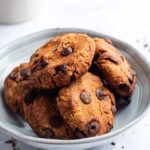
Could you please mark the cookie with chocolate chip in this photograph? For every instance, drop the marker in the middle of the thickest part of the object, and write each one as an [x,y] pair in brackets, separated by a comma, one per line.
[44,118]
[17,87]
[87,106]
[61,60]
[114,68]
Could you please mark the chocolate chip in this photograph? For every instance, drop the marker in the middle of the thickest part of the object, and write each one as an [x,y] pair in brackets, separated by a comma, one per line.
[100,94]
[44,62]
[113,109]
[25,73]
[30,97]
[123,87]
[93,127]
[112,59]
[79,134]
[113,143]
[56,121]
[49,133]
[62,68]
[41,64]
[130,80]
[85,97]
[66,51]
[13,76]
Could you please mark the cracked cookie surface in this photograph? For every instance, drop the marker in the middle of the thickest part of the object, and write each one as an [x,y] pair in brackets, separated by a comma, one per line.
[114,68]
[62,59]
[87,106]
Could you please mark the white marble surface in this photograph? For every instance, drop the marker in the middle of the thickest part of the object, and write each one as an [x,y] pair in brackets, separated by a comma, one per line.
[127,20]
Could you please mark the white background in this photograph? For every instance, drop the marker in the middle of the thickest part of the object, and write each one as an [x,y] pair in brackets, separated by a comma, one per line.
[128,20]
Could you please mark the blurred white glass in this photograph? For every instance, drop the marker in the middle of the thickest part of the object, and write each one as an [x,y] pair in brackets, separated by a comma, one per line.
[15,11]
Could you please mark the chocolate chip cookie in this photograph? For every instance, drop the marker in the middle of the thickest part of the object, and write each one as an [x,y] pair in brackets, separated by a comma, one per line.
[44,118]
[114,68]
[87,106]
[16,87]
[63,59]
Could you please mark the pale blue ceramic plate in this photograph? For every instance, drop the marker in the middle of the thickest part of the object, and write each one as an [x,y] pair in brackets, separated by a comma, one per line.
[20,50]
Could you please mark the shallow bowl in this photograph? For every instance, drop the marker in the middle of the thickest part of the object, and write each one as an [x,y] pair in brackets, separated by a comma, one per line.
[20,50]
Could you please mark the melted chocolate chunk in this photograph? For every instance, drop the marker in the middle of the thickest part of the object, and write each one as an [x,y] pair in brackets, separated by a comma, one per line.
[93,127]
[25,73]
[85,97]
[66,51]
[56,121]
[41,64]
[44,62]
[62,68]
[101,94]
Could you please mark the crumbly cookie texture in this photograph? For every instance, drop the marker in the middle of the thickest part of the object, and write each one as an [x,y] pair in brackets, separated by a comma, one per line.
[44,118]
[87,106]
[114,68]
[16,87]
[63,59]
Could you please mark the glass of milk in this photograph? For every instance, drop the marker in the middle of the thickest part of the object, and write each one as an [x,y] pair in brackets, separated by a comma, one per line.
[16,11]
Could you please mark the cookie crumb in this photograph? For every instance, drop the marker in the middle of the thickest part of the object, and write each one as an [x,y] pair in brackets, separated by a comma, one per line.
[12,142]
[113,143]
[145,45]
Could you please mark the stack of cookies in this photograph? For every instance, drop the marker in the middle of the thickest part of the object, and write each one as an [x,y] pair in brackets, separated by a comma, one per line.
[67,90]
